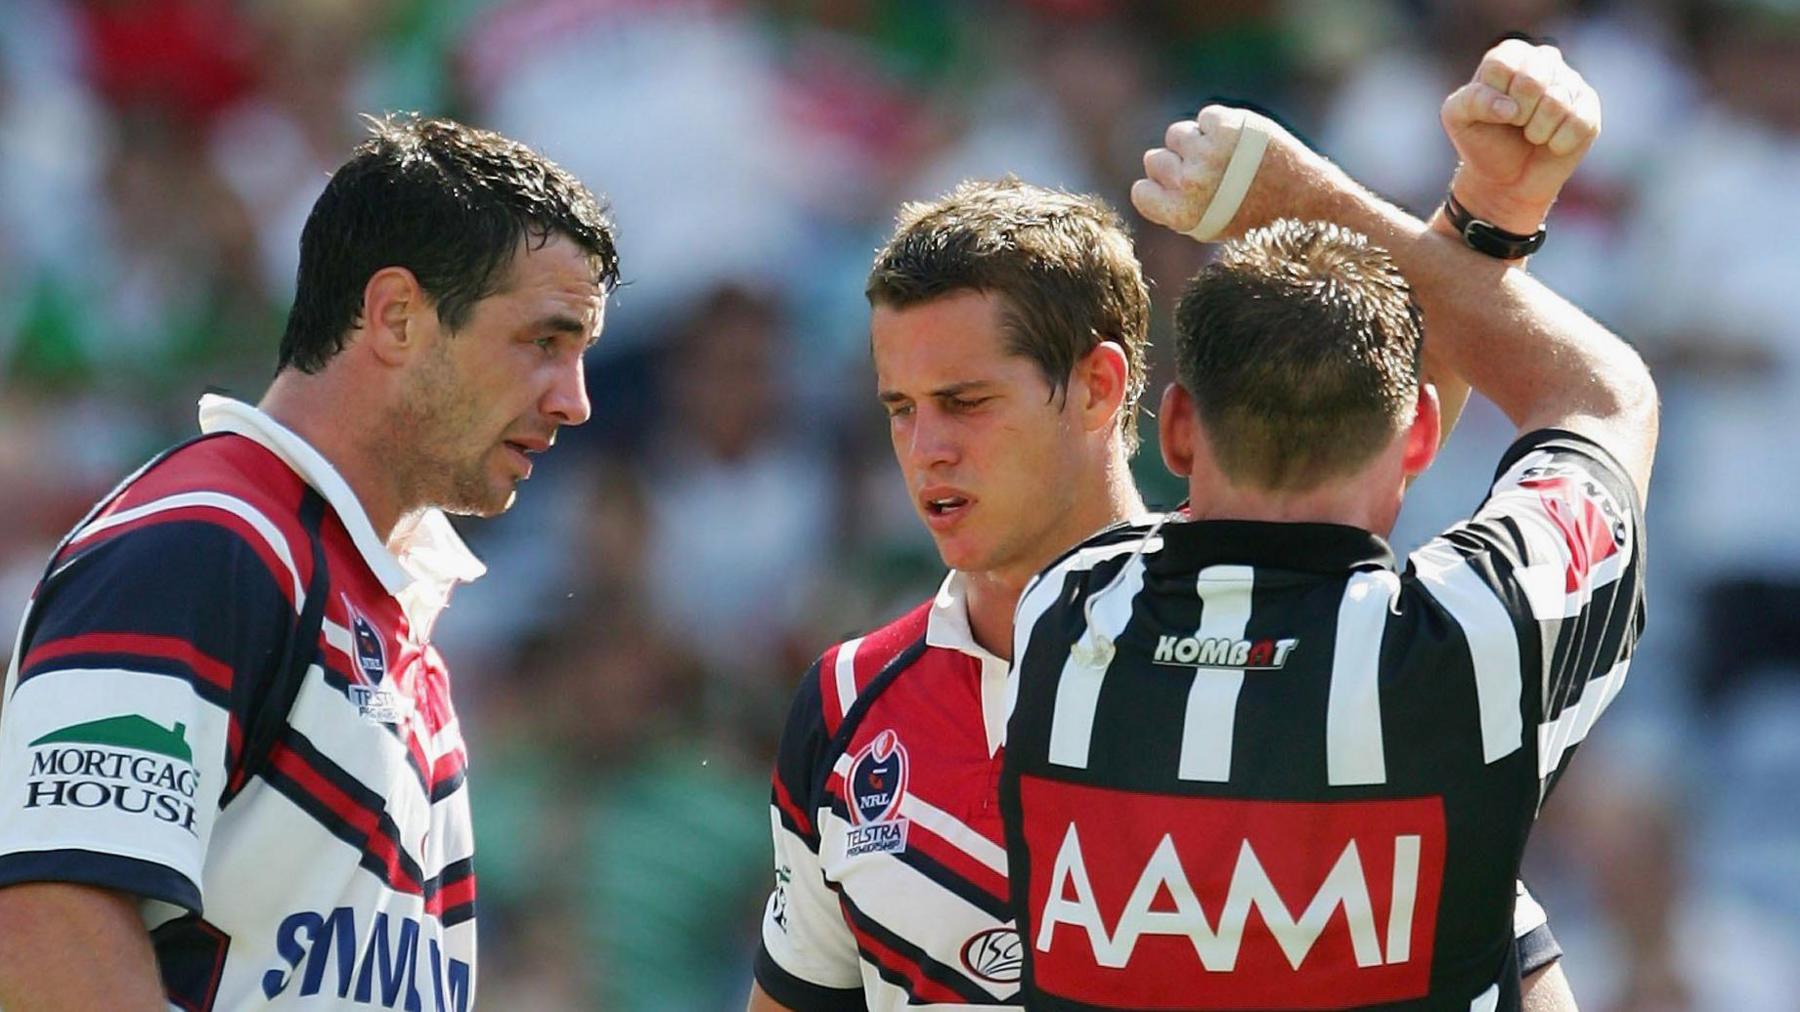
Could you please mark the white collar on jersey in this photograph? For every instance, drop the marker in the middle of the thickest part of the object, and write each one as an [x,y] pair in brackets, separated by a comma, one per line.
[432,556]
[947,626]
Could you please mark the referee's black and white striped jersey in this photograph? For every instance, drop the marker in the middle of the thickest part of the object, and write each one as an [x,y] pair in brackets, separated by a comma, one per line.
[1252,765]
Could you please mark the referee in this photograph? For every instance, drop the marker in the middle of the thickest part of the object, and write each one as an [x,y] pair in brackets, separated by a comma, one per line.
[1254,761]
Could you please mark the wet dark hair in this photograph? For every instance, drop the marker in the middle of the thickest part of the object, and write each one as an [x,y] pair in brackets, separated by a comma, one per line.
[449,203]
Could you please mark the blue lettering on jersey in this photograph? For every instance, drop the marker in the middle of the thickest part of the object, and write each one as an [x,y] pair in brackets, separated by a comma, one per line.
[388,962]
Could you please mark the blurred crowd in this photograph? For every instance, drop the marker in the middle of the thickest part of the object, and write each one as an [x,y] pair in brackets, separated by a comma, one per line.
[733,508]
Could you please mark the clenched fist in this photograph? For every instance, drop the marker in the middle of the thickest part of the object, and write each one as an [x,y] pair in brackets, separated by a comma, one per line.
[1520,126]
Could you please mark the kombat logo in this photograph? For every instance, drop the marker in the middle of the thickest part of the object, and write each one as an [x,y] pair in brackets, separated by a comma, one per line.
[1223,652]
[401,963]
[125,763]
[877,783]
[996,955]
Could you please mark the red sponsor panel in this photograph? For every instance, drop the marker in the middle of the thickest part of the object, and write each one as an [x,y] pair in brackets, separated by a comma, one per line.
[1153,902]
[1587,521]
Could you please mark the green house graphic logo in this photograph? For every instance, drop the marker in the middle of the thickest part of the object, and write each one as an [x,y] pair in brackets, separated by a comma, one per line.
[131,731]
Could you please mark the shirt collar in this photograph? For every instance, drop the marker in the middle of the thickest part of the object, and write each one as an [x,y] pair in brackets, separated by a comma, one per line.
[1303,547]
[431,553]
[947,626]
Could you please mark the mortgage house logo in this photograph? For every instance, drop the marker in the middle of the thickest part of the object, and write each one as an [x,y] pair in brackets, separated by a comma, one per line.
[127,764]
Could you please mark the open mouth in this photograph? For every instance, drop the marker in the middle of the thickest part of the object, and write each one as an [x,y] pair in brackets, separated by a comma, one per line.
[945,505]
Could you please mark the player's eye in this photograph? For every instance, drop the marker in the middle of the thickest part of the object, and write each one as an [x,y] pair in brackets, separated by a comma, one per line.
[898,409]
[965,403]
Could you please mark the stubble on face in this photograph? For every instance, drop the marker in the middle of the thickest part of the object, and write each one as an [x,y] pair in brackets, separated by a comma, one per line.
[440,457]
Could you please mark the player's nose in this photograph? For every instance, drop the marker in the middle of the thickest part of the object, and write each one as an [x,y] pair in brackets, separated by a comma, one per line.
[933,440]
[567,399]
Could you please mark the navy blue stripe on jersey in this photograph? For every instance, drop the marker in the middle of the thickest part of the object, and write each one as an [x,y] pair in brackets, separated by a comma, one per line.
[358,815]
[803,995]
[399,732]
[134,652]
[233,611]
[108,871]
[804,742]
[190,953]
[868,929]
[453,889]
[996,907]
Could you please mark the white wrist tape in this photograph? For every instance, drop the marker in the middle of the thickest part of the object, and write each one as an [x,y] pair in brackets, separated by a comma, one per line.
[1246,158]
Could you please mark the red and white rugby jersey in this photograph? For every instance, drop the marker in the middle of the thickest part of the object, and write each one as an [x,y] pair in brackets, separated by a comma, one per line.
[890,872]
[324,865]
[890,864]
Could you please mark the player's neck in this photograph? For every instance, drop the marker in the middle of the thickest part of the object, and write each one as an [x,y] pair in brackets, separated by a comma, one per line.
[324,414]
[1349,502]
[993,595]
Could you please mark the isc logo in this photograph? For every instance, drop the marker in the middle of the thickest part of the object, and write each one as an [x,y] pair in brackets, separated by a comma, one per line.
[1272,904]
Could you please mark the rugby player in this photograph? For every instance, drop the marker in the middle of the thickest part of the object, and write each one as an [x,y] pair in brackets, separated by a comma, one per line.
[230,772]
[1252,764]
[1008,331]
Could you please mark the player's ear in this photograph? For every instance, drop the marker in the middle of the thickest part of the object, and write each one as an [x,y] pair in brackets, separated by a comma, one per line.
[1176,431]
[1422,436]
[394,312]
[1098,384]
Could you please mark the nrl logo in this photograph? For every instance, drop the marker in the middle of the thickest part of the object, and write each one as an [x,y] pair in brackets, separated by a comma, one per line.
[877,784]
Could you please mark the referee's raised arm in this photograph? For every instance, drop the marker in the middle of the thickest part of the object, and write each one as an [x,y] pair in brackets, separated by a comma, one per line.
[1520,127]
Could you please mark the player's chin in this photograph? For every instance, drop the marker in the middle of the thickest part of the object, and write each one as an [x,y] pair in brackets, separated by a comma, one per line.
[965,551]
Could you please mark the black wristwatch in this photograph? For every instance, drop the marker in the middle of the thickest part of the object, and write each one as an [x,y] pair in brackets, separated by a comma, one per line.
[1486,237]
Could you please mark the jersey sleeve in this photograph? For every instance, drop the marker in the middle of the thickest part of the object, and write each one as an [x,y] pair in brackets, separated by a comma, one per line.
[122,713]
[1546,582]
[1538,948]
[808,958]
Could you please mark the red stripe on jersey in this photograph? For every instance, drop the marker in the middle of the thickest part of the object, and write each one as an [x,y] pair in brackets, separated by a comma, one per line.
[376,842]
[886,643]
[454,894]
[171,648]
[873,652]
[785,802]
[918,986]
[448,766]
[232,465]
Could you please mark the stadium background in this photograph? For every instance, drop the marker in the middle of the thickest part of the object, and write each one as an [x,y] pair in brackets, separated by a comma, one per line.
[733,507]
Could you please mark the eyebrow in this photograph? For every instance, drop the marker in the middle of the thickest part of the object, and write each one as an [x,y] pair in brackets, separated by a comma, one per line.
[563,323]
[953,390]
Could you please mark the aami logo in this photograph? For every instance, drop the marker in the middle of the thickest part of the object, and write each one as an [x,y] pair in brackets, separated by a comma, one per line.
[1223,652]
[393,967]
[996,955]
[876,785]
[1141,901]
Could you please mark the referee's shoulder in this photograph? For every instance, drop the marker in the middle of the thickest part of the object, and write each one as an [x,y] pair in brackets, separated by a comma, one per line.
[1104,543]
